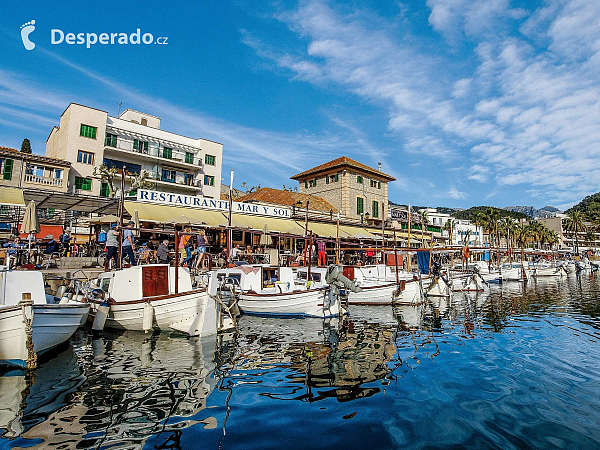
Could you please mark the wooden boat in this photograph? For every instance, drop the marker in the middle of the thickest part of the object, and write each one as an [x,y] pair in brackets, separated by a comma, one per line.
[36,321]
[144,297]
[265,290]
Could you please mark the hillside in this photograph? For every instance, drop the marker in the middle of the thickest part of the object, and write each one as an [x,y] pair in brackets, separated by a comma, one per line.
[589,206]
[532,212]
[468,213]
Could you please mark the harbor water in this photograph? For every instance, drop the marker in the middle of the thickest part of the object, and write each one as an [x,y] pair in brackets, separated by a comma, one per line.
[515,367]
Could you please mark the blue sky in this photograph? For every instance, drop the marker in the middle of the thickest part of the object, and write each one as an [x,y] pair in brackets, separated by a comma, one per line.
[465,102]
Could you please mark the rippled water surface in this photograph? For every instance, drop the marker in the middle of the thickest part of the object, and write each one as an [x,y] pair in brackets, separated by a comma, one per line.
[518,367]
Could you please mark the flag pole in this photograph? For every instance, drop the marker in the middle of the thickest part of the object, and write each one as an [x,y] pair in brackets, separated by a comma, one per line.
[229,233]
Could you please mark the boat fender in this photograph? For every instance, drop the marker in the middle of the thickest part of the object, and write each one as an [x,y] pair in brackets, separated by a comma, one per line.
[101,315]
[148,319]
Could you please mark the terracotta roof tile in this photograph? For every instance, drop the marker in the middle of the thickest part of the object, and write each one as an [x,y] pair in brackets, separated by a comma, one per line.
[287,198]
[34,157]
[341,162]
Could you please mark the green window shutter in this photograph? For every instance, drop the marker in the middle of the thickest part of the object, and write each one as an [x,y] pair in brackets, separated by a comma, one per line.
[315,185]
[136,144]
[375,209]
[189,158]
[88,131]
[359,179]
[336,177]
[167,153]
[327,179]
[209,159]
[379,185]
[305,184]
[8,167]
[104,191]
[359,205]
[146,145]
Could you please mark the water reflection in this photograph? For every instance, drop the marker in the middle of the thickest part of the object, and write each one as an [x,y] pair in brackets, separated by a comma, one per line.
[516,366]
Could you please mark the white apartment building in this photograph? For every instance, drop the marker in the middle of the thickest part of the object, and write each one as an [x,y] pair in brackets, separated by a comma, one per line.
[88,137]
[463,231]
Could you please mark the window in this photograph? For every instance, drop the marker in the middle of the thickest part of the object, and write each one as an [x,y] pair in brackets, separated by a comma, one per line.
[189,158]
[8,167]
[39,171]
[359,179]
[375,209]
[336,177]
[373,183]
[104,190]
[144,121]
[88,131]
[85,184]
[209,159]
[313,183]
[110,140]
[168,175]
[58,174]
[85,157]
[167,153]
[359,205]
[379,185]
[333,178]
[140,146]
[188,179]
[305,184]
[209,180]
[51,213]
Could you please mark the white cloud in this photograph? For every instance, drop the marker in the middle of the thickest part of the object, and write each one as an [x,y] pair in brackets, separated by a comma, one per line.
[456,194]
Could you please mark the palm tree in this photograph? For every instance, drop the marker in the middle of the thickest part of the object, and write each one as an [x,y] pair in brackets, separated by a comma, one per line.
[574,223]
[424,220]
[448,226]
[493,215]
[478,220]
[521,234]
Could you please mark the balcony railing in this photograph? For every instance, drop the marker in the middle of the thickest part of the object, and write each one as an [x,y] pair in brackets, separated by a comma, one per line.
[48,181]
[153,151]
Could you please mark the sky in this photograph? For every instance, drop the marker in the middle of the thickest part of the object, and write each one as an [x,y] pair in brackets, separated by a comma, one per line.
[465,102]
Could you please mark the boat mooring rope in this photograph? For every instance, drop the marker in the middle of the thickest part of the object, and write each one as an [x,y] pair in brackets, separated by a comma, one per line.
[26,305]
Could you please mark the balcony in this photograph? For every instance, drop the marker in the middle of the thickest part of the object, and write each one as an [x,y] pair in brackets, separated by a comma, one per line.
[46,181]
[173,184]
[155,155]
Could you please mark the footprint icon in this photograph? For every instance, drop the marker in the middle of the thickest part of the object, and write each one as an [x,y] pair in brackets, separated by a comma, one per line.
[26,30]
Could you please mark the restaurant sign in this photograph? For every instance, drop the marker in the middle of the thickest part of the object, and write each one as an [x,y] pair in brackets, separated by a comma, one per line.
[169,199]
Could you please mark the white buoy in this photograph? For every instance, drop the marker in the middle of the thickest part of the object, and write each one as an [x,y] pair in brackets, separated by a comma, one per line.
[101,315]
[148,320]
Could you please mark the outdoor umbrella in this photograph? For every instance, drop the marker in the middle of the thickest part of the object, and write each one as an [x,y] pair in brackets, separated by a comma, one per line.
[265,238]
[30,224]
[136,221]
[104,219]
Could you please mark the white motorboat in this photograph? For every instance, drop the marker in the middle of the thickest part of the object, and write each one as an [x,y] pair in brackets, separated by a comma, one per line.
[143,298]
[537,270]
[266,290]
[378,284]
[38,321]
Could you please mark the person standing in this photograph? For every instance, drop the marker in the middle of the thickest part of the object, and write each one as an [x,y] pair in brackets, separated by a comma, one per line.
[185,249]
[162,252]
[201,249]
[65,240]
[112,248]
[128,243]
[322,252]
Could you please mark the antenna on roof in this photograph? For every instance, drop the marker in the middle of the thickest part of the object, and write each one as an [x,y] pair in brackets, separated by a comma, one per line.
[379,165]
[120,104]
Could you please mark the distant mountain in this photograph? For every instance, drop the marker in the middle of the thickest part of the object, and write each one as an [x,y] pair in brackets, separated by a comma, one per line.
[589,206]
[533,213]
[468,213]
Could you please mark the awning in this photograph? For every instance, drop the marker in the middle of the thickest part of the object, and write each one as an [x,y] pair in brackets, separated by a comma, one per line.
[11,196]
[283,226]
[321,229]
[64,201]
[148,212]
[356,233]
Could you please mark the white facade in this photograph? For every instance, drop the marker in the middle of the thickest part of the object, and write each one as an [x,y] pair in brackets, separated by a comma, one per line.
[463,231]
[89,137]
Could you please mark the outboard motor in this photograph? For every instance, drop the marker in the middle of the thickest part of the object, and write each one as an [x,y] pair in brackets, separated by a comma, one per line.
[339,285]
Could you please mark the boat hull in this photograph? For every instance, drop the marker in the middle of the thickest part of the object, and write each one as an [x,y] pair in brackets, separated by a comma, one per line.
[191,312]
[292,304]
[52,325]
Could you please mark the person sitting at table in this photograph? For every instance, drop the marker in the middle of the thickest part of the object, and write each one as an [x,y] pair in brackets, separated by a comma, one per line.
[13,255]
[249,257]
[52,247]
[235,251]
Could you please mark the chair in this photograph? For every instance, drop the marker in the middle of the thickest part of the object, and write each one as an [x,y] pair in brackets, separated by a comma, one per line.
[51,257]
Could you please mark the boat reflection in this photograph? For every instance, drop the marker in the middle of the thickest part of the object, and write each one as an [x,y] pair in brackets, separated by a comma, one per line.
[135,387]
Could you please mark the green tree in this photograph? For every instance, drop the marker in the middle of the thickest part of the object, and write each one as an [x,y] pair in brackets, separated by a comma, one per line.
[575,224]
[26,146]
